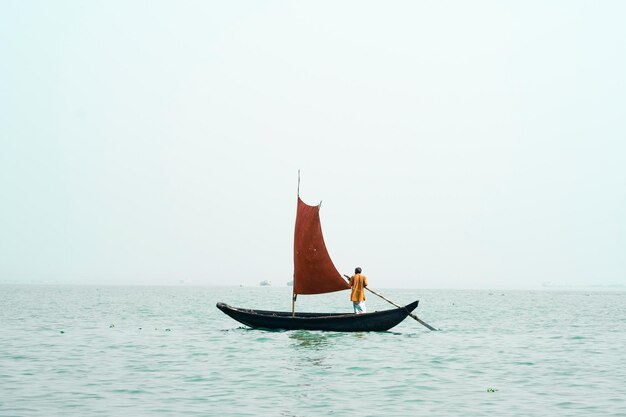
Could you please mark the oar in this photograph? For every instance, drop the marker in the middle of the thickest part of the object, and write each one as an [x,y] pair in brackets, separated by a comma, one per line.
[413,316]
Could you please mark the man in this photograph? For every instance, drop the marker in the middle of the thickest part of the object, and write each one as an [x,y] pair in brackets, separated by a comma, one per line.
[358,282]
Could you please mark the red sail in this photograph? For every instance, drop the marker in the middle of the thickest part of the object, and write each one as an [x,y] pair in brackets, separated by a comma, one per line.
[314,271]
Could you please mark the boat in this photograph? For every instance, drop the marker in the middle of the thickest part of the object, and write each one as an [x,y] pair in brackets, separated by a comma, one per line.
[315,273]
[336,322]
[265,283]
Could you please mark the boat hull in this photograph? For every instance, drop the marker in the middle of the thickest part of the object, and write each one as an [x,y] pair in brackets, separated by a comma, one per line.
[335,322]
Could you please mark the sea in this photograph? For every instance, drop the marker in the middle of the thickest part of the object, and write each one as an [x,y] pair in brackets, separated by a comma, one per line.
[168,351]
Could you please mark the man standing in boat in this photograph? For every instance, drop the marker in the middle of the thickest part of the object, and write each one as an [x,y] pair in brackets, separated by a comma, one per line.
[358,282]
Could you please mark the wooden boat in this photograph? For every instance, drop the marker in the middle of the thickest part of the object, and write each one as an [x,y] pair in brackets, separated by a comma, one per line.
[315,273]
[336,322]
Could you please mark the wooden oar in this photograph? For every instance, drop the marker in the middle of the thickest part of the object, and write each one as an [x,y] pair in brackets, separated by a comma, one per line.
[413,316]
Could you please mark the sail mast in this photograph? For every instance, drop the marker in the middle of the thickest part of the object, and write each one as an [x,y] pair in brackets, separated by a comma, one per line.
[293,280]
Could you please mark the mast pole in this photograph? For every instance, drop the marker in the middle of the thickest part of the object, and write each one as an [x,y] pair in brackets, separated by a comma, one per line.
[293,282]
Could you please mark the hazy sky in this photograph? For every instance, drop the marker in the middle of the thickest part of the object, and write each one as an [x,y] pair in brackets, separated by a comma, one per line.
[453,144]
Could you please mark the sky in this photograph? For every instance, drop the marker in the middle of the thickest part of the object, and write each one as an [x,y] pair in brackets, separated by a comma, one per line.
[453,144]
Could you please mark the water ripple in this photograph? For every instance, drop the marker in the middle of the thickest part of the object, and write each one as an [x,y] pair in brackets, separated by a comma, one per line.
[502,353]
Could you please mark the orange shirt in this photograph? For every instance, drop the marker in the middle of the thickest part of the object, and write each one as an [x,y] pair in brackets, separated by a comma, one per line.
[358,283]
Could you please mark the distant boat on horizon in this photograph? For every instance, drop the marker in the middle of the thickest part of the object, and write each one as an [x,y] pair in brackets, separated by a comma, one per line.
[289,283]
[265,283]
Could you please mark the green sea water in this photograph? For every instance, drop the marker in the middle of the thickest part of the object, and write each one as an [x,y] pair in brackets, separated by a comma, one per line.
[167,351]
